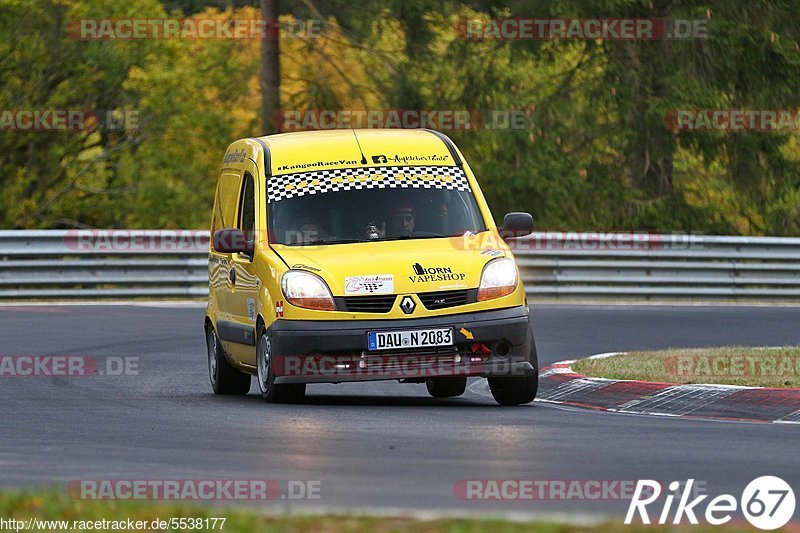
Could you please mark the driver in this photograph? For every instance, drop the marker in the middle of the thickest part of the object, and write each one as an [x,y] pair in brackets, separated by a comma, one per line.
[402,220]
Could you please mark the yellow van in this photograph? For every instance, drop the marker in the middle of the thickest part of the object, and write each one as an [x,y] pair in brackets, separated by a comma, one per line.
[359,255]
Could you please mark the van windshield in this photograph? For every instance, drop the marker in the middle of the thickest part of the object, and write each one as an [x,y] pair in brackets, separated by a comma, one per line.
[372,204]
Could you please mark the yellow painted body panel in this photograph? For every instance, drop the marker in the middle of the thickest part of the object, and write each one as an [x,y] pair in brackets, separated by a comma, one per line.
[304,151]
[257,292]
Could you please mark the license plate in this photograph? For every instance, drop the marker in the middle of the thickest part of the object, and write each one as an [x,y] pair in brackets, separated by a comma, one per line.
[414,338]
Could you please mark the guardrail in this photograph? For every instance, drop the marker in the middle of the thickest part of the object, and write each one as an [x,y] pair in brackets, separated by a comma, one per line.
[95,264]
[102,264]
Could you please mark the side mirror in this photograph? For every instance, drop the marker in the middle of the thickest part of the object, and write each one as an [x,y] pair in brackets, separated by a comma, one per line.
[516,225]
[232,241]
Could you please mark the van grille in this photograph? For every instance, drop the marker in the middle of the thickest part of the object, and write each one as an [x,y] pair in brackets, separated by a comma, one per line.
[369,304]
[443,299]
[383,303]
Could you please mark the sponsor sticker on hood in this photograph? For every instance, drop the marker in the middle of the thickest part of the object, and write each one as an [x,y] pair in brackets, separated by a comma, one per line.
[435,273]
[374,284]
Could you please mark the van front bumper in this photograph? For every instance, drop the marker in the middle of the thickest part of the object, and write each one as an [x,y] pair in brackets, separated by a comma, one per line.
[487,343]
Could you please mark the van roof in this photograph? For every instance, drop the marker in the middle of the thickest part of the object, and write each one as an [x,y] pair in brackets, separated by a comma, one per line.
[346,148]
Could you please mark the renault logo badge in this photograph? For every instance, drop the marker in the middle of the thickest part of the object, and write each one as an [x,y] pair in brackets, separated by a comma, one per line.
[407,305]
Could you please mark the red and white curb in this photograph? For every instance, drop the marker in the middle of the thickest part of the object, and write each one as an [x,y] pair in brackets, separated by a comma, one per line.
[559,384]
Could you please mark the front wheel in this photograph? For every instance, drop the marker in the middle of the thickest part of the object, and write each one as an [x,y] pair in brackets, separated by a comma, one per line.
[514,390]
[446,387]
[291,393]
[225,379]
[517,390]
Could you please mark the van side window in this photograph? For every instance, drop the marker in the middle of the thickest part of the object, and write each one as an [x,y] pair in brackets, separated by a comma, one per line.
[247,207]
[226,207]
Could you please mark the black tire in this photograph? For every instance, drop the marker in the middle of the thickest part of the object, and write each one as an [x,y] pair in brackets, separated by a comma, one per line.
[291,393]
[225,379]
[514,390]
[446,387]
[517,390]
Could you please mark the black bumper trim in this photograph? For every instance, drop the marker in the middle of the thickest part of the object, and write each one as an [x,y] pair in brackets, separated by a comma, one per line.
[333,326]
[300,338]
[235,332]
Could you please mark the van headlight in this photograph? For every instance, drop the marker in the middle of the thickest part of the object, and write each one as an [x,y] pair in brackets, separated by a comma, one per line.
[499,279]
[306,290]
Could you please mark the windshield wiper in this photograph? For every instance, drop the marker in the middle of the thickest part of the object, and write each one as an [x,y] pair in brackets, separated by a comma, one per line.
[326,241]
[423,236]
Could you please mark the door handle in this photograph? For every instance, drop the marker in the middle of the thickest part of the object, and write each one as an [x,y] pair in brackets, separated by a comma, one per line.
[232,276]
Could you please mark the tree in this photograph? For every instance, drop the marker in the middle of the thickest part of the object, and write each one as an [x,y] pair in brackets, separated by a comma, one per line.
[270,67]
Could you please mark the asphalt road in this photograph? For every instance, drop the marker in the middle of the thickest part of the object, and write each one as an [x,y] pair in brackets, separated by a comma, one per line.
[376,445]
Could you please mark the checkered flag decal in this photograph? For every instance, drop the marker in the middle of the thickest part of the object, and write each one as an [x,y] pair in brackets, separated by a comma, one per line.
[346,179]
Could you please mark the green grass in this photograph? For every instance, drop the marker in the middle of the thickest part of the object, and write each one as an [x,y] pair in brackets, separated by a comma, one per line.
[57,505]
[736,365]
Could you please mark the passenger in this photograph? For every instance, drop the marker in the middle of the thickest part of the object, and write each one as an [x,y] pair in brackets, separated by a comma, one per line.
[307,230]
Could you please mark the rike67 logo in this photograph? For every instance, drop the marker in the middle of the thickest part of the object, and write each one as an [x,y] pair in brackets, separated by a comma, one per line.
[767,503]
